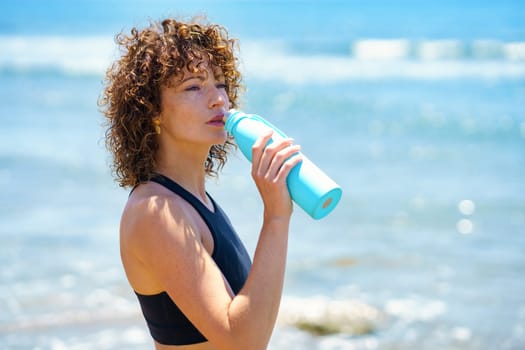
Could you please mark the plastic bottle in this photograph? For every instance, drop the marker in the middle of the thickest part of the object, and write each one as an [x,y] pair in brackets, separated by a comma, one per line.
[309,186]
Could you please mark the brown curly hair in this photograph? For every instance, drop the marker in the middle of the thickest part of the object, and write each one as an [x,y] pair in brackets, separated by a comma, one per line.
[131,98]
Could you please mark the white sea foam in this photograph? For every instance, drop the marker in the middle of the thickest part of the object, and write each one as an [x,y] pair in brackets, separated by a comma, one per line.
[66,318]
[381,49]
[515,51]
[415,309]
[367,59]
[122,310]
[71,55]
[375,60]
[295,69]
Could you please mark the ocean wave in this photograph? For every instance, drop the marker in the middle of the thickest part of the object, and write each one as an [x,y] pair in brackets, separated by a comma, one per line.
[368,59]
[69,318]
[328,69]
[431,50]
[68,55]
[415,309]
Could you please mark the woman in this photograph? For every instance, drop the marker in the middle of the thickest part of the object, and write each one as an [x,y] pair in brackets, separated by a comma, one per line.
[164,103]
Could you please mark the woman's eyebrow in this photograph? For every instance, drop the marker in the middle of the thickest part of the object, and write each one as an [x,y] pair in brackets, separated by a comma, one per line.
[200,77]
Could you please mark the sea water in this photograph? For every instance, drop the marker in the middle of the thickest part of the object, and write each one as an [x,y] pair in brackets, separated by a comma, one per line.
[417,110]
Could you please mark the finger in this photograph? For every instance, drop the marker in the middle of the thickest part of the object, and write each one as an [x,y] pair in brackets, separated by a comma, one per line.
[288,165]
[280,159]
[258,147]
[266,159]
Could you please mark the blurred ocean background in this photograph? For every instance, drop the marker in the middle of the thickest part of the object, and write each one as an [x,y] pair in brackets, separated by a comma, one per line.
[416,108]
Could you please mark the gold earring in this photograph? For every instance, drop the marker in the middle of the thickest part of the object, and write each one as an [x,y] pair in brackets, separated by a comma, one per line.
[156,125]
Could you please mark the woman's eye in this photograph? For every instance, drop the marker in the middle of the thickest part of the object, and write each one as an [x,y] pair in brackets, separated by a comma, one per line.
[192,88]
[222,86]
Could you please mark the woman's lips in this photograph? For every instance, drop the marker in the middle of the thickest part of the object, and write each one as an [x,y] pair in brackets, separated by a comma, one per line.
[218,120]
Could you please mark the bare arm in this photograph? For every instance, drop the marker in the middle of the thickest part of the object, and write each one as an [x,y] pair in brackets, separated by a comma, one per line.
[166,242]
[258,302]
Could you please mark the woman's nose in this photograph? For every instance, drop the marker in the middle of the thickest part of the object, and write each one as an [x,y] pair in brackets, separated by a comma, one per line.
[218,97]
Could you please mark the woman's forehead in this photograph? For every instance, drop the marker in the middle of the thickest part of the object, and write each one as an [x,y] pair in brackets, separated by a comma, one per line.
[204,68]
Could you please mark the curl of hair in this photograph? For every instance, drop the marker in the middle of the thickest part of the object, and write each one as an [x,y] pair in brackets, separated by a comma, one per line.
[131,97]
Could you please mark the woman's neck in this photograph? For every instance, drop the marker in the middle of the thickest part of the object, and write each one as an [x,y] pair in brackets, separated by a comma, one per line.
[186,166]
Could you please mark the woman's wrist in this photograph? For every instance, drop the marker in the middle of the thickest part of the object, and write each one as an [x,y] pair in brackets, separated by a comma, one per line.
[277,222]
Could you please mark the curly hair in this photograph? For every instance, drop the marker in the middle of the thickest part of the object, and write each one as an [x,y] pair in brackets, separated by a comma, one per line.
[131,98]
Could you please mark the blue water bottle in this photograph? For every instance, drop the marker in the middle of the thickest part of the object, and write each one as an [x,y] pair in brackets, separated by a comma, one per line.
[309,186]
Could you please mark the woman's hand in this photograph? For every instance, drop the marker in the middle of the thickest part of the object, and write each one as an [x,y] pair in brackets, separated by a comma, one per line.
[271,165]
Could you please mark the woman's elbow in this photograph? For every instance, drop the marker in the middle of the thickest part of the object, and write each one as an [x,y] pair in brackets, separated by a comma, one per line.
[244,338]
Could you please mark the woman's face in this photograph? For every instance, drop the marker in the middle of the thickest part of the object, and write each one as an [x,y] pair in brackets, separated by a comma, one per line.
[193,105]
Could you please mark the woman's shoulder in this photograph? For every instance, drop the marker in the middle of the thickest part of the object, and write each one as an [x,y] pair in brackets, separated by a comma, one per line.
[155,224]
[153,207]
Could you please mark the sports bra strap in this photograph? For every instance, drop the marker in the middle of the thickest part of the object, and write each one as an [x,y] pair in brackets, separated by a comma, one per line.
[185,194]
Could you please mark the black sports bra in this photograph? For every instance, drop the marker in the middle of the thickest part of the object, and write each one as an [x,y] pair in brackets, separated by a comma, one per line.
[166,322]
